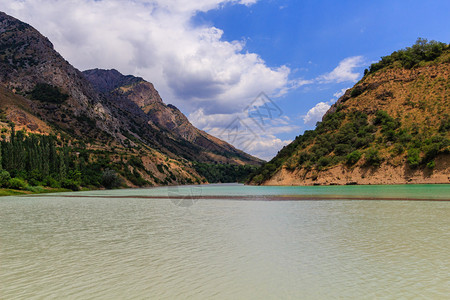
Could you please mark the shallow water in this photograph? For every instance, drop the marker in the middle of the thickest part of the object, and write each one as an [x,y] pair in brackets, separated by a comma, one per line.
[193,242]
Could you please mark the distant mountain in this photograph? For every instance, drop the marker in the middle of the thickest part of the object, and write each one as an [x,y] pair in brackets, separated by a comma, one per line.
[136,96]
[392,127]
[100,113]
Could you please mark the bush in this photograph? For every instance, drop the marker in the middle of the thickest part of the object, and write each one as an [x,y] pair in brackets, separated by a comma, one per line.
[342,149]
[4,178]
[324,161]
[70,184]
[410,57]
[353,157]
[373,158]
[17,184]
[48,93]
[413,157]
[258,179]
[110,179]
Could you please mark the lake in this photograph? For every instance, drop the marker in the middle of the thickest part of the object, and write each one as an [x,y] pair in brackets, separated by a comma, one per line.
[228,242]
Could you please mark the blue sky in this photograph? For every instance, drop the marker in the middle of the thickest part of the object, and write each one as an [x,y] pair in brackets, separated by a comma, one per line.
[312,37]
[212,58]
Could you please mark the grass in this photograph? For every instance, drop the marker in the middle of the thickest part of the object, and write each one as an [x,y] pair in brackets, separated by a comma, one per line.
[41,190]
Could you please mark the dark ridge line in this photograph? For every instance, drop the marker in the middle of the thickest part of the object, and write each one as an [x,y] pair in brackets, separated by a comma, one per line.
[253,198]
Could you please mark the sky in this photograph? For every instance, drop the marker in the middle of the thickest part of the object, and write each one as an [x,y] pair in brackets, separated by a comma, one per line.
[256,73]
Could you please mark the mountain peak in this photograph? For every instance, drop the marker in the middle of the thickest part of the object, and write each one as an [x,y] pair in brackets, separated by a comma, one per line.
[105,81]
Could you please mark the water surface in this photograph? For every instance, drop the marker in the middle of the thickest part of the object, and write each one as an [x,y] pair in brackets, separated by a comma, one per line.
[193,242]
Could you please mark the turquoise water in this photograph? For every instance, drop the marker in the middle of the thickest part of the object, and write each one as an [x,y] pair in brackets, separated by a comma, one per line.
[419,191]
[194,243]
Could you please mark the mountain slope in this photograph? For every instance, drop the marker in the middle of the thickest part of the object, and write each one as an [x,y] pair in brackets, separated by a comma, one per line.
[100,125]
[391,127]
[139,97]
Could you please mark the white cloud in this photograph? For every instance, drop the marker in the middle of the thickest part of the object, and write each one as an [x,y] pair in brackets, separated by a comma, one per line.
[245,132]
[316,113]
[338,94]
[191,66]
[344,71]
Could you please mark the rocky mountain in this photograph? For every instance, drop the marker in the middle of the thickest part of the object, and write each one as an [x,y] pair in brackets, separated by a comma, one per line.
[100,112]
[139,97]
[392,127]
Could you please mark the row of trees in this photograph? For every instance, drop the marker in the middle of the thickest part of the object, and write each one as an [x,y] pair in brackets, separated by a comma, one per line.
[222,173]
[41,160]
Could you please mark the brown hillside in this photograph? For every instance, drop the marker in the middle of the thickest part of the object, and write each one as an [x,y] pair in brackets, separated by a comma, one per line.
[392,127]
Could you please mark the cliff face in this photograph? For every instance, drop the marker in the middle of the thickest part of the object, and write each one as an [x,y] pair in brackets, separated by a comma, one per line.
[40,92]
[27,58]
[140,98]
[392,127]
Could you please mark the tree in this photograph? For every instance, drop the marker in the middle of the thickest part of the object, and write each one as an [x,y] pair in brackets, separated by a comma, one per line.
[110,179]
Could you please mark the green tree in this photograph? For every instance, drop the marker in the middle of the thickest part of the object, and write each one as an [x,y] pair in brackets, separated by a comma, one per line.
[4,178]
[373,157]
[353,157]
[413,157]
[110,179]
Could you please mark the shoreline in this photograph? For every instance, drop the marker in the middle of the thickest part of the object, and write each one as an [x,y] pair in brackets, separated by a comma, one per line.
[48,192]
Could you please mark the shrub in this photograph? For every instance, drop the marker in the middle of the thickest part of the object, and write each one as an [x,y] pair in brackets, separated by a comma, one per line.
[413,157]
[398,149]
[110,179]
[303,157]
[410,57]
[70,184]
[48,93]
[353,157]
[324,161]
[357,90]
[51,182]
[17,184]
[342,149]
[160,168]
[4,178]
[373,157]
[258,179]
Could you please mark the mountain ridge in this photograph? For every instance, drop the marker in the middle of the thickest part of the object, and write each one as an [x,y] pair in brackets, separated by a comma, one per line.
[108,118]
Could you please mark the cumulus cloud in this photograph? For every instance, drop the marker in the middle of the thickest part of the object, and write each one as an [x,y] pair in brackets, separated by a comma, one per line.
[210,79]
[316,113]
[191,66]
[247,132]
[344,71]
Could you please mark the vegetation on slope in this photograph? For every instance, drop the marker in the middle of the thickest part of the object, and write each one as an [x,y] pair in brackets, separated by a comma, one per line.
[417,55]
[48,93]
[371,124]
[224,173]
[30,161]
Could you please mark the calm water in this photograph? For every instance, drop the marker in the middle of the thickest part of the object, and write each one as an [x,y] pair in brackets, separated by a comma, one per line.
[130,244]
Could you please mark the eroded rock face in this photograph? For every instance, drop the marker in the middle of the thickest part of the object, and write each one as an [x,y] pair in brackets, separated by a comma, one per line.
[140,99]
[29,58]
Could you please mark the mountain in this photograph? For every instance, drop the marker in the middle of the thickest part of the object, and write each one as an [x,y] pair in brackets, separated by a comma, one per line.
[98,119]
[392,127]
[136,96]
